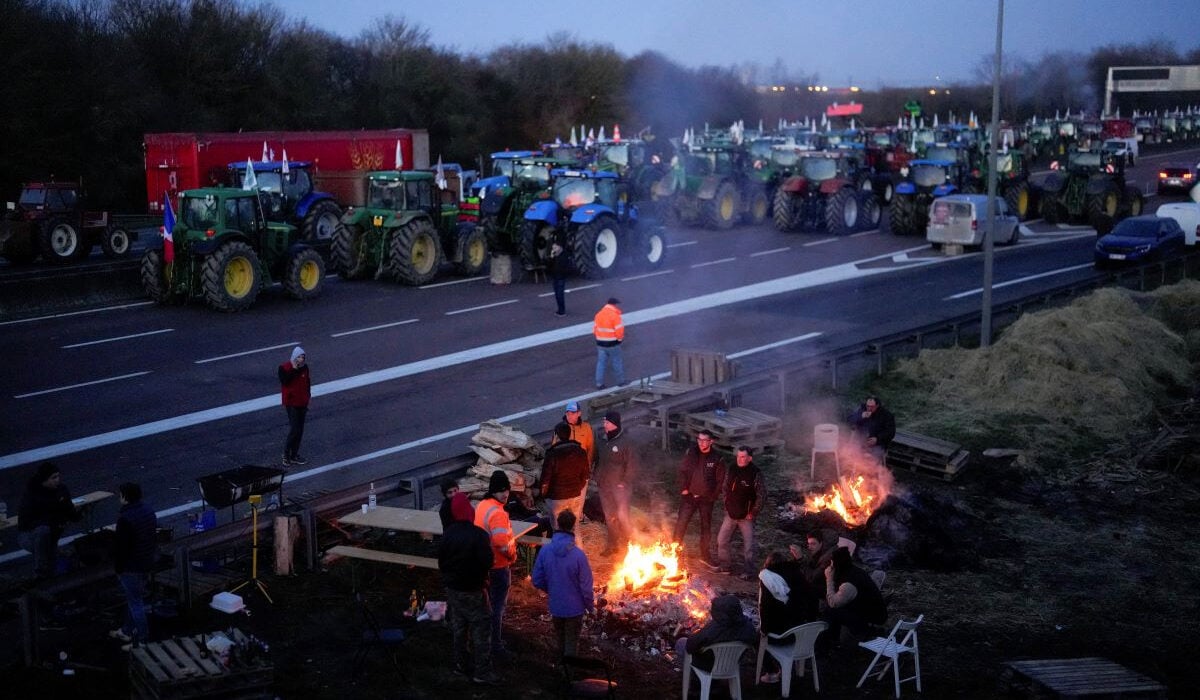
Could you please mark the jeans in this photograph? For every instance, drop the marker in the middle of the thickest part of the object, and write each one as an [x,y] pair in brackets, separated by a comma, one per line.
[136,625]
[725,539]
[566,630]
[499,581]
[470,631]
[42,542]
[575,505]
[609,355]
[615,500]
[688,506]
[560,294]
[295,415]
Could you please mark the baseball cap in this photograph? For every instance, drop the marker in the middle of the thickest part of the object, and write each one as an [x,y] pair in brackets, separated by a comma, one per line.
[572,406]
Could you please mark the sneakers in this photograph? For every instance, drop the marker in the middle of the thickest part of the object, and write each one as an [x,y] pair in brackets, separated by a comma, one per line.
[769,678]
[487,679]
[299,460]
[119,635]
[560,313]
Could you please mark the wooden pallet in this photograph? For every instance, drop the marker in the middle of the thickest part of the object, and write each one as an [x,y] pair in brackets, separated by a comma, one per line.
[737,426]
[656,391]
[927,455]
[700,367]
[1080,678]
[184,668]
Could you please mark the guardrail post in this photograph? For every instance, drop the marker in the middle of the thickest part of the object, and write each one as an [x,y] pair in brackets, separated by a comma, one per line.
[308,521]
[28,606]
[183,565]
[833,374]
[418,489]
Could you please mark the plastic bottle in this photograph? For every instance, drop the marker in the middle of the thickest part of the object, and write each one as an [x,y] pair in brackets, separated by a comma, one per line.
[371,497]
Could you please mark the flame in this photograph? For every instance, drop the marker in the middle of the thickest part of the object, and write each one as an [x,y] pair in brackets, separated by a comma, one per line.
[853,500]
[655,571]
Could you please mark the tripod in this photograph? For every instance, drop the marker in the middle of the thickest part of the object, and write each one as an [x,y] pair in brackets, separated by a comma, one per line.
[255,500]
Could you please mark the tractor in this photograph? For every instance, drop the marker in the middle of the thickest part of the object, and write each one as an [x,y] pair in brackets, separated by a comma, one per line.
[286,189]
[225,251]
[407,228]
[49,219]
[1090,188]
[603,229]
[1012,183]
[925,180]
[501,214]
[634,162]
[823,193]
[710,184]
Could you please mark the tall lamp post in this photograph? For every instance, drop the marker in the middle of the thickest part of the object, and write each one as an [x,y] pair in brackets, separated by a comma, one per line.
[985,321]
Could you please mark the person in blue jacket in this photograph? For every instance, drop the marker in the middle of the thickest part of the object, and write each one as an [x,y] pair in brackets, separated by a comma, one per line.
[562,570]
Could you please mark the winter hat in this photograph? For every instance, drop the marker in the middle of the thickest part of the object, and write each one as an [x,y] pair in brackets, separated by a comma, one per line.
[498,482]
[460,508]
[562,431]
[297,352]
[613,417]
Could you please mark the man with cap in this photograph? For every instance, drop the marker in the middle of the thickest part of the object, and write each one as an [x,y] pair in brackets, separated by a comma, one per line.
[618,468]
[581,432]
[296,387]
[493,519]
[465,558]
[564,474]
[609,331]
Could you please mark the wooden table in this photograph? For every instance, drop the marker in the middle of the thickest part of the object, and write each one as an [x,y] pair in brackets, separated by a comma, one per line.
[82,503]
[412,520]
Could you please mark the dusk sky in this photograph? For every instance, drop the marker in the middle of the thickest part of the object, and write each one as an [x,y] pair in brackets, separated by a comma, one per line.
[866,42]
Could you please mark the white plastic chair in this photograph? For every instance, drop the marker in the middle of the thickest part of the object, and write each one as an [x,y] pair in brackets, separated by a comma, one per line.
[892,649]
[825,439]
[799,651]
[726,667]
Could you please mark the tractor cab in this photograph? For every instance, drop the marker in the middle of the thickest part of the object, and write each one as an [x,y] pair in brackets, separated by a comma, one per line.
[401,190]
[287,194]
[576,188]
[501,174]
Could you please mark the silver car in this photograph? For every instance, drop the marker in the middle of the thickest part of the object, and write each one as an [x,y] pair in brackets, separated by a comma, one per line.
[962,219]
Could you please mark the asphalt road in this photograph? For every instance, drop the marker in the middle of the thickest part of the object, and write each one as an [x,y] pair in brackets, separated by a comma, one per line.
[402,376]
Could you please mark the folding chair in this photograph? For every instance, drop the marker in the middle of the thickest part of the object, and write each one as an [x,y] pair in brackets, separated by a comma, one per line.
[725,667]
[589,687]
[375,636]
[801,651]
[893,650]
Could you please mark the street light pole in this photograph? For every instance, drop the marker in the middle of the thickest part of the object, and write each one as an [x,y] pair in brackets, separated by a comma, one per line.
[985,320]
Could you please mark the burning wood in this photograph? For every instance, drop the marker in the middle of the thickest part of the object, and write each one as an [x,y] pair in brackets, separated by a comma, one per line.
[852,499]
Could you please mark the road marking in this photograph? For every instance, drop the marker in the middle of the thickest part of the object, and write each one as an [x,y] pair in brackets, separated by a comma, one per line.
[572,289]
[375,328]
[713,262]
[247,352]
[77,313]
[776,344]
[705,302]
[771,252]
[1009,283]
[447,284]
[823,241]
[120,337]
[863,233]
[648,274]
[480,308]
[76,386]
[681,244]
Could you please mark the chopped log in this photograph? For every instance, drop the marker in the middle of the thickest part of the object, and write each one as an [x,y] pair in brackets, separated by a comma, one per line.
[495,434]
[489,455]
[510,454]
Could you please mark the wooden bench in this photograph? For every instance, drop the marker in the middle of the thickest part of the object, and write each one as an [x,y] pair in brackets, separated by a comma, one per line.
[383,557]
[1078,678]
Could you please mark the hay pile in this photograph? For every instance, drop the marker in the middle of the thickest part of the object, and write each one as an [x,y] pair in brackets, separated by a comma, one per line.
[1064,382]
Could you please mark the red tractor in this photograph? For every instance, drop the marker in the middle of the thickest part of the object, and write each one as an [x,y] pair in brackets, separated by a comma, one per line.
[50,220]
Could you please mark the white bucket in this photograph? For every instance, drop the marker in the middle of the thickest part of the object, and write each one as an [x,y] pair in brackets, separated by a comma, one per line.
[825,438]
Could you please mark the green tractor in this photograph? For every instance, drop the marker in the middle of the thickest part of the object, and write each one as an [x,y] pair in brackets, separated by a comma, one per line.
[502,212]
[1091,188]
[406,230]
[225,251]
[1012,182]
[709,184]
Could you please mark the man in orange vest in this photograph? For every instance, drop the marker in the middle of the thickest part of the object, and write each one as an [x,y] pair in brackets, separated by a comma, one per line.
[491,516]
[609,331]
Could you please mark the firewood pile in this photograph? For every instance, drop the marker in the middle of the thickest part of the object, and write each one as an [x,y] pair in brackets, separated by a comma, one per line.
[649,623]
[499,446]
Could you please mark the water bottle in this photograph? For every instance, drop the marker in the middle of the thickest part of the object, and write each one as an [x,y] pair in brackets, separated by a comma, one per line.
[371,497]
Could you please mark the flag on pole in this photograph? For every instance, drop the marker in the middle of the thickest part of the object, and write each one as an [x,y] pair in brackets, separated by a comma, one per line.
[249,180]
[399,156]
[285,167]
[439,176]
[168,228]
[266,152]
[573,142]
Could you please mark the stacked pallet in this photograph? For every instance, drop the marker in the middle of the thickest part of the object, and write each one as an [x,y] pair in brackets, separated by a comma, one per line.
[927,455]
[184,667]
[736,427]
[499,446]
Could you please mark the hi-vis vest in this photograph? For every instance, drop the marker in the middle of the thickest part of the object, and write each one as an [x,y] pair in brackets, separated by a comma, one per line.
[491,516]
[607,326]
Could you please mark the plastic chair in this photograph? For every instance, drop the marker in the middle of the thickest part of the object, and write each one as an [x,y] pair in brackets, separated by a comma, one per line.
[725,667]
[892,649]
[375,636]
[589,687]
[825,439]
[801,650]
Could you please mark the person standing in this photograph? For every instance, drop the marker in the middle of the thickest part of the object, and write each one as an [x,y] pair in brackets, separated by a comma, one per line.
[560,267]
[609,331]
[617,472]
[701,475]
[296,388]
[581,431]
[464,559]
[449,488]
[744,495]
[135,554]
[875,425]
[45,509]
[493,519]
[562,571]
[564,474]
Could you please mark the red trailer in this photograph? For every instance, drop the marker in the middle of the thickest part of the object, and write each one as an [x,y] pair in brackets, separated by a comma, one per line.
[182,161]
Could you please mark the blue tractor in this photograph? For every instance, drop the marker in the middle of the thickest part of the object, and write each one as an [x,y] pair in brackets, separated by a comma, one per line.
[287,195]
[925,180]
[603,229]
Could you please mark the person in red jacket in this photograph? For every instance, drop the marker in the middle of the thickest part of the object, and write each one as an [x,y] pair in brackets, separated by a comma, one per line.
[296,387]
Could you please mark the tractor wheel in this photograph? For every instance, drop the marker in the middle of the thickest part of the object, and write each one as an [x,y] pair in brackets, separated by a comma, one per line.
[231,277]
[841,212]
[321,222]
[474,252]
[784,211]
[154,278]
[1049,209]
[1017,199]
[536,239]
[1104,204]
[1133,201]
[869,211]
[760,208]
[595,248]
[347,254]
[651,248]
[116,243]
[901,214]
[305,275]
[62,242]
[491,233]
[721,212]
[416,253]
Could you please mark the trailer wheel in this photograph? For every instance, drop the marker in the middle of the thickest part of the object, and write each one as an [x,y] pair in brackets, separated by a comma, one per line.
[474,252]
[784,211]
[231,277]
[62,242]
[416,253]
[347,254]
[154,278]
[321,222]
[537,237]
[721,212]
[841,212]
[305,275]
[116,243]
[595,248]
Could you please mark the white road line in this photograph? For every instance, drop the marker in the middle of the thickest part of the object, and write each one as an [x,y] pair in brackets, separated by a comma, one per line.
[704,302]
[375,328]
[120,337]
[247,352]
[863,233]
[1009,283]
[480,308]
[772,346]
[771,252]
[823,241]
[77,313]
[76,386]
[713,262]
[447,284]
[572,289]
[681,244]
[648,274]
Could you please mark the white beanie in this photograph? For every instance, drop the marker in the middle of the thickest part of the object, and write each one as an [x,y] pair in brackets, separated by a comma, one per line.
[297,352]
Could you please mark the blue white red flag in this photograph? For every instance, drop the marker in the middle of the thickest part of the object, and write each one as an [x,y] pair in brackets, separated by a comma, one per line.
[168,229]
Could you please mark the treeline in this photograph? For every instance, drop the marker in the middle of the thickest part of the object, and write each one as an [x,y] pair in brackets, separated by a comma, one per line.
[84,79]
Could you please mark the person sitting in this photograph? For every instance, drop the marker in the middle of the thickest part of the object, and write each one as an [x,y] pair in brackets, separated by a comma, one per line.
[818,548]
[875,426]
[520,507]
[853,599]
[727,623]
[784,601]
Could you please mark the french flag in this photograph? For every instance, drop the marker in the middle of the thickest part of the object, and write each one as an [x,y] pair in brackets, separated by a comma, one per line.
[167,228]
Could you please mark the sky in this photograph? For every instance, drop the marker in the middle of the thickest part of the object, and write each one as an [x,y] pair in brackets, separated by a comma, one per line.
[869,43]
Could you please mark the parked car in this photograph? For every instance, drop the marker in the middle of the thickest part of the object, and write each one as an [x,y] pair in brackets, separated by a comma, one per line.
[1187,215]
[963,219]
[1176,177]
[1126,148]
[1140,239]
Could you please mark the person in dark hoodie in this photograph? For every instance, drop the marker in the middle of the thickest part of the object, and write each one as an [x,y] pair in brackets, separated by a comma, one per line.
[565,474]
[449,488]
[875,426]
[617,471]
[744,496]
[727,624]
[853,598]
[135,553]
[465,558]
[562,570]
[45,509]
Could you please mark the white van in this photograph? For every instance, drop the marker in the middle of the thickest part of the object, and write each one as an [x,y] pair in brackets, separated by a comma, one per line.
[962,219]
[1188,216]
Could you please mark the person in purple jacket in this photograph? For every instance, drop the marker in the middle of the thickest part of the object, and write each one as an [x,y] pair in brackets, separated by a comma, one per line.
[562,570]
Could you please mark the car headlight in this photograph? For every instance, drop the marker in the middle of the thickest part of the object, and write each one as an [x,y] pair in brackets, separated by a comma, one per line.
[1143,248]
[1100,248]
